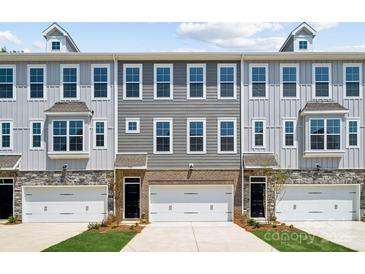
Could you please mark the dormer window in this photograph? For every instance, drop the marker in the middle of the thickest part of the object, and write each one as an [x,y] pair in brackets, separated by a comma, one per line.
[56,46]
[303,45]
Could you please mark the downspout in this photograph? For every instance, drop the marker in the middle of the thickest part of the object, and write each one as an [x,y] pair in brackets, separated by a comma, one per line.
[241,136]
[115,86]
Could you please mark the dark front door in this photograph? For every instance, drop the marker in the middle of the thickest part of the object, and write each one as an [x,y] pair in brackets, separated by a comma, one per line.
[258,200]
[6,201]
[131,203]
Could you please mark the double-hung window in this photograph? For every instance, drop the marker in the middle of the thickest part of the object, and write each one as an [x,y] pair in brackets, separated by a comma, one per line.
[196,142]
[196,82]
[36,82]
[36,132]
[68,135]
[289,80]
[289,133]
[352,80]
[100,130]
[325,134]
[226,81]
[353,133]
[322,88]
[227,132]
[163,84]
[132,125]
[162,139]
[100,81]
[259,132]
[6,134]
[7,82]
[132,82]
[70,82]
[258,81]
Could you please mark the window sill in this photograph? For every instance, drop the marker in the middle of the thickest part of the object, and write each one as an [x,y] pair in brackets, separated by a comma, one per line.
[7,100]
[37,99]
[324,154]
[100,99]
[68,155]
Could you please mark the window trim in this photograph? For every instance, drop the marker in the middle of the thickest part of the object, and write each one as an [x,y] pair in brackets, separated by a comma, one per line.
[319,65]
[57,41]
[204,120]
[155,67]
[227,65]
[44,67]
[140,84]
[227,119]
[77,67]
[105,121]
[289,65]
[68,136]
[325,135]
[303,40]
[294,132]
[259,65]
[170,120]
[137,120]
[204,66]
[13,67]
[31,122]
[254,133]
[346,65]
[348,120]
[107,66]
[11,147]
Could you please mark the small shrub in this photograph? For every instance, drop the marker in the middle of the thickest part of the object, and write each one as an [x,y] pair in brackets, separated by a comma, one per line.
[291,226]
[114,226]
[12,219]
[283,224]
[274,226]
[92,226]
[256,224]
[251,222]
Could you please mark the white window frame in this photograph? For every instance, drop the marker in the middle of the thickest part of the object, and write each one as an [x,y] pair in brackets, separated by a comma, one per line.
[294,132]
[59,42]
[254,133]
[77,67]
[13,67]
[303,40]
[37,66]
[107,66]
[68,136]
[234,66]
[31,147]
[357,120]
[140,83]
[228,119]
[105,133]
[282,82]
[170,120]
[259,65]
[171,67]
[203,120]
[204,81]
[322,65]
[11,134]
[325,135]
[346,65]
[136,120]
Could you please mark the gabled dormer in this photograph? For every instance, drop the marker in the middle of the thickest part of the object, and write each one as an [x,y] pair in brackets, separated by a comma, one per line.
[59,40]
[300,39]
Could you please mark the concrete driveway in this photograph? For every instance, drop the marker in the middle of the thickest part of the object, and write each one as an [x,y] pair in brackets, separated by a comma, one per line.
[349,234]
[201,237]
[36,236]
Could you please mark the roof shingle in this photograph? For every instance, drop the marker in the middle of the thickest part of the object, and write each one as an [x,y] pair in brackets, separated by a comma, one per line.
[131,161]
[259,160]
[65,107]
[9,161]
[323,106]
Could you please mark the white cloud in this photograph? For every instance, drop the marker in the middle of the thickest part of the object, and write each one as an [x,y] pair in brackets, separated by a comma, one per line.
[189,50]
[39,45]
[349,48]
[318,26]
[7,36]
[26,50]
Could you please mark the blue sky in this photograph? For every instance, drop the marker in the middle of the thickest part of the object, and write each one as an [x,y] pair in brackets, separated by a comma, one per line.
[134,37]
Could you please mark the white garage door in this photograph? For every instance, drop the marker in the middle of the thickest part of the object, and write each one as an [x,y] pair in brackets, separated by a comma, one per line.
[191,203]
[64,204]
[318,203]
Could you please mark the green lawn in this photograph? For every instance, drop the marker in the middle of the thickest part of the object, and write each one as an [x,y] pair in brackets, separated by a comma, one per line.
[298,241]
[94,241]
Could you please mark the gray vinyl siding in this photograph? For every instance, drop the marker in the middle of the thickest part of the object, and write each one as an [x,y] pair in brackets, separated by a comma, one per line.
[22,111]
[179,109]
[274,109]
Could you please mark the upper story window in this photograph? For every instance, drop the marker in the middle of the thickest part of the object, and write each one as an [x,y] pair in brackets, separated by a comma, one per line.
[36,132]
[36,82]
[68,135]
[6,134]
[258,81]
[100,81]
[259,132]
[100,130]
[325,134]
[196,81]
[303,44]
[227,131]
[162,139]
[353,133]
[7,82]
[196,142]
[56,45]
[132,125]
[70,82]
[352,80]
[132,84]
[227,81]
[163,85]
[322,81]
[289,80]
[289,133]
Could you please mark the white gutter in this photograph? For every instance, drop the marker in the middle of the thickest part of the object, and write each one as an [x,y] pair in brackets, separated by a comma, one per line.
[241,142]
[115,86]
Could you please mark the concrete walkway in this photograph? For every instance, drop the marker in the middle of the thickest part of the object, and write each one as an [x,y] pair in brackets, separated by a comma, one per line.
[346,233]
[185,236]
[36,236]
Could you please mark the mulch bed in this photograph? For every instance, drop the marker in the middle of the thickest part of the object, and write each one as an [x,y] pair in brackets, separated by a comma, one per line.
[121,228]
[267,227]
[16,223]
